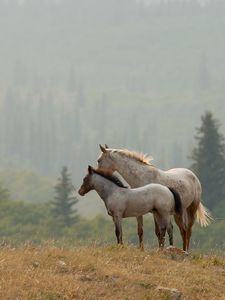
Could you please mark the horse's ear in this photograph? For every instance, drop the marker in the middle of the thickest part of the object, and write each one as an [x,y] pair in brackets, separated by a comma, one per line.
[106,146]
[102,148]
[90,169]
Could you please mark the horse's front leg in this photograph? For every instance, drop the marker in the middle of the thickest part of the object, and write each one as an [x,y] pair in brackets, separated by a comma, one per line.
[118,229]
[140,232]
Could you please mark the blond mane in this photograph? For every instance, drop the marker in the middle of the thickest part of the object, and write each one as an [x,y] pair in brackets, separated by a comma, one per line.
[140,157]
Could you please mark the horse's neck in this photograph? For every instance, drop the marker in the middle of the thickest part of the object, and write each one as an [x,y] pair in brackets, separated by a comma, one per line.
[103,187]
[136,173]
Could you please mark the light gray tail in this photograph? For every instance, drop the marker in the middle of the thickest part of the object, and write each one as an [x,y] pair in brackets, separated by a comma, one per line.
[177,200]
[203,215]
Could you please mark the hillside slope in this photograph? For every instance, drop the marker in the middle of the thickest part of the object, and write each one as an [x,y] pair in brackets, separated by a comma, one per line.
[108,273]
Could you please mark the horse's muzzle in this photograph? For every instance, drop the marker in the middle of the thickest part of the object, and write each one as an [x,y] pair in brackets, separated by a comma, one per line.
[81,192]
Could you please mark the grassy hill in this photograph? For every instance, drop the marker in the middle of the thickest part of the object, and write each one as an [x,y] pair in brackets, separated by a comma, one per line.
[108,272]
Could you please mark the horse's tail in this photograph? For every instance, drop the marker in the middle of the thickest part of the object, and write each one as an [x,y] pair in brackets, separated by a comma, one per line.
[203,215]
[178,204]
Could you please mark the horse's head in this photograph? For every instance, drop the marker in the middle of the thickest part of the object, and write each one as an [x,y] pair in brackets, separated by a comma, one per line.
[105,160]
[87,185]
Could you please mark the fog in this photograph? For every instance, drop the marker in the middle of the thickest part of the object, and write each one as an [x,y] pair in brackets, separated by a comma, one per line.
[77,73]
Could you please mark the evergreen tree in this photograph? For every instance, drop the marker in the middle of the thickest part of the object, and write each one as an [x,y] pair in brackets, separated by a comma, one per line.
[63,205]
[209,160]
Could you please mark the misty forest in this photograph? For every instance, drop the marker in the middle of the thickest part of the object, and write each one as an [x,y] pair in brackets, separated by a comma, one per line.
[136,74]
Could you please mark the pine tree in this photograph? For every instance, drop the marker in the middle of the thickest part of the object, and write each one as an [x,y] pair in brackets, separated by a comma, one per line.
[209,160]
[63,205]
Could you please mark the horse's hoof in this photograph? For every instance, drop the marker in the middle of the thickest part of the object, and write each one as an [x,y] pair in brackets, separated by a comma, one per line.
[141,247]
[160,249]
[170,247]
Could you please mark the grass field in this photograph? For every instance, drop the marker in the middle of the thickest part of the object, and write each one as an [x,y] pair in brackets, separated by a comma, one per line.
[110,272]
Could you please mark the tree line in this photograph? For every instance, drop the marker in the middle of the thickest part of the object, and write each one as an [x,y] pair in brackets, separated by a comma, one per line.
[55,127]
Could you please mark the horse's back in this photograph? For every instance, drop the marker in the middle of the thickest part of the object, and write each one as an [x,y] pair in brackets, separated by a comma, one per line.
[185,182]
[183,175]
[142,200]
[181,172]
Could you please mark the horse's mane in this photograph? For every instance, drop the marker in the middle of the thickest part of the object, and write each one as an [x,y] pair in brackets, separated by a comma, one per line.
[140,157]
[108,175]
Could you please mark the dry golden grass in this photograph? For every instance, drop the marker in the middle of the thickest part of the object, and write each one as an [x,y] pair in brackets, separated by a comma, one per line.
[107,273]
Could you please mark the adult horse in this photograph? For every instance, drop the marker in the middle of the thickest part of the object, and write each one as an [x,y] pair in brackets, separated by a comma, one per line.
[137,170]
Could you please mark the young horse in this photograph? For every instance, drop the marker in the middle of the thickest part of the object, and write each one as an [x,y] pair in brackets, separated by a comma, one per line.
[137,170]
[121,202]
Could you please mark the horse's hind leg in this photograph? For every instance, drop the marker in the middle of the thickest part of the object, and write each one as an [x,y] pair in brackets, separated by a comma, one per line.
[191,218]
[118,229]
[140,231]
[170,233]
[157,231]
[189,232]
[162,236]
[183,231]
[160,229]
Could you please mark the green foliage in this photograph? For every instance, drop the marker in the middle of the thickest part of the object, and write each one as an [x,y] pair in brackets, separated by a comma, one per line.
[63,205]
[4,194]
[21,222]
[209,160]
[210,238]
[24,222]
